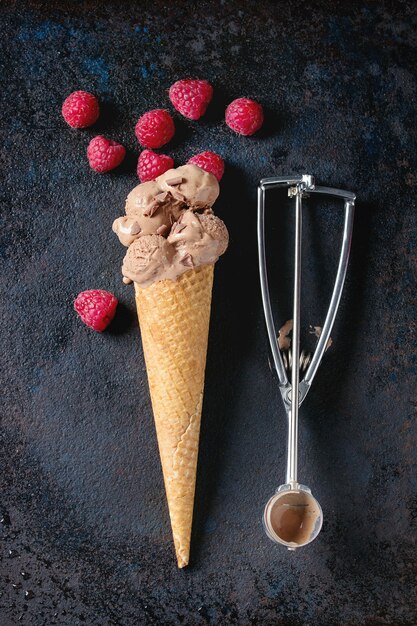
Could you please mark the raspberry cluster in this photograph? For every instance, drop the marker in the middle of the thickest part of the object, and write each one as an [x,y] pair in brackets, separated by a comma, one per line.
[154,129]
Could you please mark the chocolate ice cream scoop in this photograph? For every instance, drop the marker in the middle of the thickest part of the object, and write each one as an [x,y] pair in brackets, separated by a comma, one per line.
[155,219]
[196,187]
[216,229]
[141,198]
[203,237]
[148,259]
[154,210]
[176,206]
[127,229]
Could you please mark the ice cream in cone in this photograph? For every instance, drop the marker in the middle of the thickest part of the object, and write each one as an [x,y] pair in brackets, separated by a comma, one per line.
[173,240]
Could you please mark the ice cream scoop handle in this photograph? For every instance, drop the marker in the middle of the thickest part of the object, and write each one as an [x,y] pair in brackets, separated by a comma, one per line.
[292,456]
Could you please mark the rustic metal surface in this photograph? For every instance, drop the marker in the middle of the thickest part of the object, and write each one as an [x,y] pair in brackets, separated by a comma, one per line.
[85,537]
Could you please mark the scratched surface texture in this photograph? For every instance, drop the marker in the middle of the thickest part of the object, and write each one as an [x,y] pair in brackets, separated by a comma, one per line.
[85,537]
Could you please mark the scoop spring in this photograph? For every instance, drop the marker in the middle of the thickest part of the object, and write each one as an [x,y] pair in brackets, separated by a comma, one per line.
[305,359]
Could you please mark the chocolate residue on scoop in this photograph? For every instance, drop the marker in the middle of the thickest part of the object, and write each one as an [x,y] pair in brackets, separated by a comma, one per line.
[317,330]
[284,341]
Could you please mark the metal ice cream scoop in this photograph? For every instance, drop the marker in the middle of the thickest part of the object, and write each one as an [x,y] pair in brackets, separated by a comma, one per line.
[293,517]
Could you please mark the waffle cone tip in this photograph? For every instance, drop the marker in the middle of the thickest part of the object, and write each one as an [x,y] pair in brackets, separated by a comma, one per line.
[182,559]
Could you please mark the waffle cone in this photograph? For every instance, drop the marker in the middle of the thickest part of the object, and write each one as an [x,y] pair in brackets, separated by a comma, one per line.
[174,319]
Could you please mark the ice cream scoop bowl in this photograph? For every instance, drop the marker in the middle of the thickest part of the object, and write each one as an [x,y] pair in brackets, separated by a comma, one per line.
[293,517]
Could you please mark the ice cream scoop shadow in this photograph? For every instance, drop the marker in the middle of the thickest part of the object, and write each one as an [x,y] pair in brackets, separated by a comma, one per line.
[345,340]
[124,319]
[328,397]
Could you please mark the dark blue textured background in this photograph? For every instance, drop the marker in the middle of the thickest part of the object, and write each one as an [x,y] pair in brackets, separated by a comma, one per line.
[81,487]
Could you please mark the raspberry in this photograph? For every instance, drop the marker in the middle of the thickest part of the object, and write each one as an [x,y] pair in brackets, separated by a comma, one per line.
[80,109]
[104,154]
[151,165]
[191,97]
[210,162]
[96,308]
[244,116]
[155,128]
